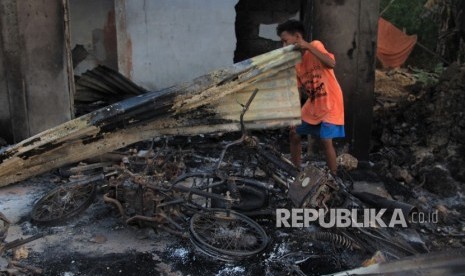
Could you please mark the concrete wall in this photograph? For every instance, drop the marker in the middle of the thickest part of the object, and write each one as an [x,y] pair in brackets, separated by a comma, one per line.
[164,42]
[35,66]
[349,30]
[92,24]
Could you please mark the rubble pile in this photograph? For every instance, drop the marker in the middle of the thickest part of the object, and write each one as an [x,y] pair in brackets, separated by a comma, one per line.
[419,131]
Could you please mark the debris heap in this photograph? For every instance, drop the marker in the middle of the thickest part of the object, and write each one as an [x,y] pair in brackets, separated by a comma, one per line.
[419,133]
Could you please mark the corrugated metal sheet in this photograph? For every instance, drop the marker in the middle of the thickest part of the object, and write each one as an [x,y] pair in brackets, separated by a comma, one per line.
[100,87]
[276,104]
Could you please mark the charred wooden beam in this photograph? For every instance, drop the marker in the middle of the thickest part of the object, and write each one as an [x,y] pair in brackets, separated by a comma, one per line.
[205,105]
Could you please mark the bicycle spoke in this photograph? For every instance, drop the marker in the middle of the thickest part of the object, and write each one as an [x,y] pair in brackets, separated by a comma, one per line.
[235,236]
[63,202]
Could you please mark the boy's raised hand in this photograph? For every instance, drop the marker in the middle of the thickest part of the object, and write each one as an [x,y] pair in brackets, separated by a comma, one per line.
[302,44]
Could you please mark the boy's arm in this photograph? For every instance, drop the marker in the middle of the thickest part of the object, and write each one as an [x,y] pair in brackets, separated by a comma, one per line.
[329,62]
[325,59]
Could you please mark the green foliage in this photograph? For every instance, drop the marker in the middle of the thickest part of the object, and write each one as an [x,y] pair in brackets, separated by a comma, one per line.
[411,15]
[428,77]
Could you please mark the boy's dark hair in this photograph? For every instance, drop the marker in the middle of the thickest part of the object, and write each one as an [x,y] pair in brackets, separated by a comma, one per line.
[291,26]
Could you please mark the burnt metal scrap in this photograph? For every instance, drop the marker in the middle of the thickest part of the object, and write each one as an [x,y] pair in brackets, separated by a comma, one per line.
[106,81]
[100,87]
[205,105]
[159,188]
[213,205]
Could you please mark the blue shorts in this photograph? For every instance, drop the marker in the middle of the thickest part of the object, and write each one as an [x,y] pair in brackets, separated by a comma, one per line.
[322,130]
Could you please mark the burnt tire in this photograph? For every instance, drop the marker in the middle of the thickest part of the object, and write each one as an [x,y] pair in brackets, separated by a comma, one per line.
[63,203]
[227,235]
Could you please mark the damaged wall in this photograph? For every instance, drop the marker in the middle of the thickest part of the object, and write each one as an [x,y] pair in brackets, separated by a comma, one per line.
[165,42]
[255,25]
[92,24]
[33,50]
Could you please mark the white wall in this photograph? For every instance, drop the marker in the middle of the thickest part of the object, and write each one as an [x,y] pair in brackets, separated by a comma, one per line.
[165,42]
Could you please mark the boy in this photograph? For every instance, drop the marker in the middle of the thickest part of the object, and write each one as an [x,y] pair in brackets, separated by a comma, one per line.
[323,111]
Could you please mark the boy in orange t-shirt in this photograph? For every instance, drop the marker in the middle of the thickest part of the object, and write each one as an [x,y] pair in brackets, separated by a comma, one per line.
[323,111]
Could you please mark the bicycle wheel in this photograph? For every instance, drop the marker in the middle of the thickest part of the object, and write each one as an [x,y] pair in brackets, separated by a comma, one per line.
[63,203]
[252,198]
[227,235]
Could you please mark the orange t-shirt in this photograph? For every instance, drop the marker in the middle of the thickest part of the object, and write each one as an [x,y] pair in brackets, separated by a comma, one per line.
[325,103]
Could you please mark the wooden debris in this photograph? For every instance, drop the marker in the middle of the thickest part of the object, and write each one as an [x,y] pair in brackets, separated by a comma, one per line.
[210,103]
[347,161]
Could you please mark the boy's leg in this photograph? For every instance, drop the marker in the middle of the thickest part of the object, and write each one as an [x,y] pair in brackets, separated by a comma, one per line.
[296,148]
[311,141]
[330,154]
